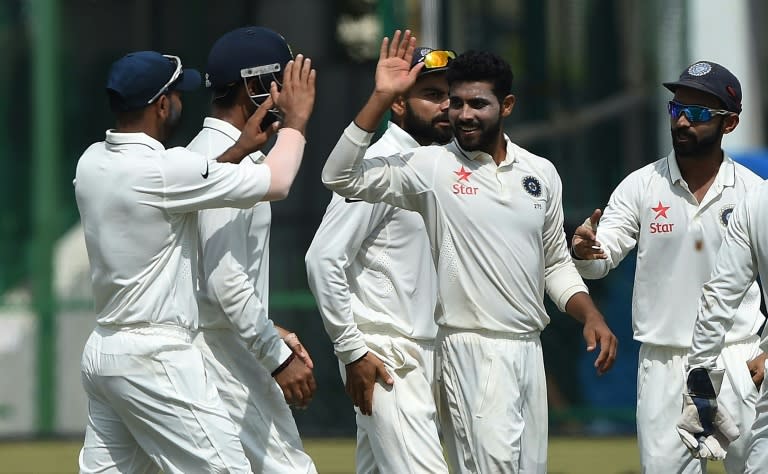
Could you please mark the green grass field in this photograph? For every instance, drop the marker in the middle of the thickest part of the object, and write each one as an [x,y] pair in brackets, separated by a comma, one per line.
[336,456]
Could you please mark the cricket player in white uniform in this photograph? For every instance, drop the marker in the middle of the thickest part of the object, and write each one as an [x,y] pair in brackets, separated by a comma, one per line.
[150,406]
[370,269]
[742,257]
[676,211]
[493,214]
[245,356]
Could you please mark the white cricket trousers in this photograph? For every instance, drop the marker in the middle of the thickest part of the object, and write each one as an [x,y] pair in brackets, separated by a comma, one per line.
[150,406]
[660,387]
[255,403]
[493,401]
[401,436]
[757,453]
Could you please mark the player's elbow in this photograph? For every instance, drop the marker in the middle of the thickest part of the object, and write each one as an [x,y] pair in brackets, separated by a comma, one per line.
[277,191]
[313,260]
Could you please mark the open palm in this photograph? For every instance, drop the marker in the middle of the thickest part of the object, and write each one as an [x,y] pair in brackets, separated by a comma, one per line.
[394,75]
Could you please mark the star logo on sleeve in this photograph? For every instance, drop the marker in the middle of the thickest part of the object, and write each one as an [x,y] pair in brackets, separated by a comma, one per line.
[463,174]
[660,210]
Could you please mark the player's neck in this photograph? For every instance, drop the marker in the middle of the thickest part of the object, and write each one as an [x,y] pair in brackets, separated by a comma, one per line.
[499,150]
[234,115]
[699,172]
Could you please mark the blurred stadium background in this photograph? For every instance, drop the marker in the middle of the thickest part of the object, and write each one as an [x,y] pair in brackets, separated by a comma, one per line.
[587,81]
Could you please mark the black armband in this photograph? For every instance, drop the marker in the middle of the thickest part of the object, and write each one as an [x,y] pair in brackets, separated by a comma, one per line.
[284,364]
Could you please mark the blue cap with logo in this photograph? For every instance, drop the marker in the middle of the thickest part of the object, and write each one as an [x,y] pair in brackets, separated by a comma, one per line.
[711,78]
[249,51]
[138,79]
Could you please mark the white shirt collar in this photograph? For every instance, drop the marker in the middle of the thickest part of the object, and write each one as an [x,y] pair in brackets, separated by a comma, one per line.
[231,132]
[726,174]
[116,140]
[473,155]
[222,126]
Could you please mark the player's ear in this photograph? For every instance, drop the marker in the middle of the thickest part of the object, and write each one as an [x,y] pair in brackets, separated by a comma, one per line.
[163,106]
[507,105]
[398,107]
[730,123]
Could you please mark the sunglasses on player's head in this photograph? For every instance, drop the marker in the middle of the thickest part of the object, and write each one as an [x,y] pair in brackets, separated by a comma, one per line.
[177,61]
[694,113]
[437,58]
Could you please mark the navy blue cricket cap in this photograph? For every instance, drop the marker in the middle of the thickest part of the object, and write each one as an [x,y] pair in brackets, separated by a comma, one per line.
[246,52]
[138,79]
[711,78]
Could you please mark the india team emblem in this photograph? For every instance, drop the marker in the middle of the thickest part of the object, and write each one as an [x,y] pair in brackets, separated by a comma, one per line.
[699,69]
[532,186]
[725,215]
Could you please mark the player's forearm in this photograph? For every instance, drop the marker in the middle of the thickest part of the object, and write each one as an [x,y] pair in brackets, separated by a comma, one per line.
[283,161]
[343,168]
[240,303]
[562,282]
[581,308]
[373,112]
[714,319]
[327,281]
[233,154]
[260,334]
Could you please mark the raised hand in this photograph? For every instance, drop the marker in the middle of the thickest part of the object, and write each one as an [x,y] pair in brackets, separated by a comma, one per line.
[253,136]
[394,75]
[584,244]
[297,98]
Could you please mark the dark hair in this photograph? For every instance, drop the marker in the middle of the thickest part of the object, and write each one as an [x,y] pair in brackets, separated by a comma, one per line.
[482,66]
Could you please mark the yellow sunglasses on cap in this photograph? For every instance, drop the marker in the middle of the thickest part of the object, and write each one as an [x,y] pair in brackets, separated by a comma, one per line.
[438,58]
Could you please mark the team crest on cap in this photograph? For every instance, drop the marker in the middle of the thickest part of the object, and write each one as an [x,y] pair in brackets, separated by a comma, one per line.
[532,186]
[725,215]
[699,69]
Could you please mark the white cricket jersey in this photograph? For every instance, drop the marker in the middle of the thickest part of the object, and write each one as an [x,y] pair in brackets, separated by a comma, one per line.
[138,204]
[370,267]
[677,240]
[496,231]
[234,267]
[743,256]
